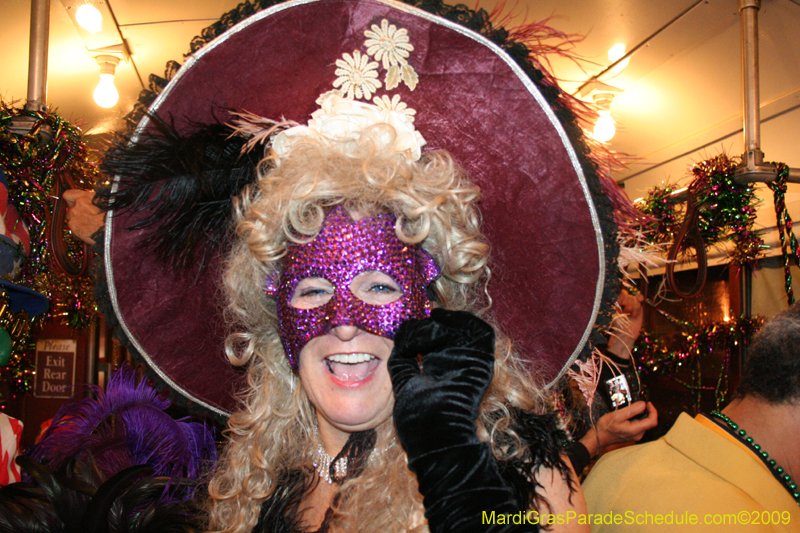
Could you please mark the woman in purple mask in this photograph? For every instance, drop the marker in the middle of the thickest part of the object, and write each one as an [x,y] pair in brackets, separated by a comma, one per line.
[359,243]
[380,395]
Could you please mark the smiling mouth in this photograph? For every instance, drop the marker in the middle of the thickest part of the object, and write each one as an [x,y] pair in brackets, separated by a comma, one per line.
[352,367]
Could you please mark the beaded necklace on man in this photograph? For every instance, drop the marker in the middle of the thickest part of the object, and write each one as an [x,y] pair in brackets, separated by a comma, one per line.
[778,471]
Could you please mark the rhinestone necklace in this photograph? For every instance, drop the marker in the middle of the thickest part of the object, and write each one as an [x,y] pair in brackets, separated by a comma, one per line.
[741,435]
[322,462]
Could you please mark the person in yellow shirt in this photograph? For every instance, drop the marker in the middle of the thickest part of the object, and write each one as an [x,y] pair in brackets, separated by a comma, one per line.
[734,470]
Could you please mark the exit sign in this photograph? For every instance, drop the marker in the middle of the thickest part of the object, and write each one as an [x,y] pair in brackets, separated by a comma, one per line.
[55,368]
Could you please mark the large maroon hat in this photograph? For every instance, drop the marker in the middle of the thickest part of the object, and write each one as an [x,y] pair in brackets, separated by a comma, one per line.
[550,241]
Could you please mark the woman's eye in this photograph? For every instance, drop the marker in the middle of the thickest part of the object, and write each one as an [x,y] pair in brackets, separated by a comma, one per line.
[311,292]
[383,288]
[375,288]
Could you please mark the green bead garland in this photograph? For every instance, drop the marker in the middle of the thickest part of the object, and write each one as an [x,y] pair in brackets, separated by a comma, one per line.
[741,434]
[785,228]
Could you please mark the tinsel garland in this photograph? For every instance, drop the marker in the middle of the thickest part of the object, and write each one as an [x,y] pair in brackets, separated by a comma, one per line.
[32,163]
[691,348]
[18,348]
[19,372]
[727,210]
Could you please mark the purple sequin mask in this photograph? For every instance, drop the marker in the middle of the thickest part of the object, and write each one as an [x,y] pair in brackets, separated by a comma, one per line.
[342,250]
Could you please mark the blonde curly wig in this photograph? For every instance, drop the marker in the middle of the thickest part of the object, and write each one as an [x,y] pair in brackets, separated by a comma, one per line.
[274,431]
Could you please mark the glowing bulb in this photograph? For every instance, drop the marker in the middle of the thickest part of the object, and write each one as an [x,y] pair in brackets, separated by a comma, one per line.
[89,18]
[616,52]
[106,94]
[604,128]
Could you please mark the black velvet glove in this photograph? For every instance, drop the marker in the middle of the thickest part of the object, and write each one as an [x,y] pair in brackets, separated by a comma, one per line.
[435,411]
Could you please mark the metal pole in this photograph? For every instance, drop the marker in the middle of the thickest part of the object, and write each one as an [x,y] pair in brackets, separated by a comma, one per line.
[752,168]
[37,62]
[748,12]
[763,174]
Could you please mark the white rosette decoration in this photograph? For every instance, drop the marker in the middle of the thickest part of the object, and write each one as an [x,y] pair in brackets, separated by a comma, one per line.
[342,121]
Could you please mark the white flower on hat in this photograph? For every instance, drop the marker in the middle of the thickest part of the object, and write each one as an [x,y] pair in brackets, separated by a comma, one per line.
[357,75]
[342,120]
[392,47]
[388,44]
[383,102]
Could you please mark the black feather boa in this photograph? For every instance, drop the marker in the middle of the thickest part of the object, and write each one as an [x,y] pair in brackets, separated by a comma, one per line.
[544,442]
[281,512]
[77,497]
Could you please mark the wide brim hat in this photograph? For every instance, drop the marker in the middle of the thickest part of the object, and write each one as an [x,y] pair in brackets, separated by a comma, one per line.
[478,96]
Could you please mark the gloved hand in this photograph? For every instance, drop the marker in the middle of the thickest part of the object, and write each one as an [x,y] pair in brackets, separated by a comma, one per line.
[434,413]
[439,403]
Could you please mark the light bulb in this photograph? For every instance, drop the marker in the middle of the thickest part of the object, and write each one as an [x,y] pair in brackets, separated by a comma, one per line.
[615,53]
[604,128]
[106,94]
[89,18]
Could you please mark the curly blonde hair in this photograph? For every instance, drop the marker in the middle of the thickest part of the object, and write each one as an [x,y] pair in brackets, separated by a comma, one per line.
[274,432]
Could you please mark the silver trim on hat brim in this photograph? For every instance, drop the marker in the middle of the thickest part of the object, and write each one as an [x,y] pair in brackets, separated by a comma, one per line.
[534,91]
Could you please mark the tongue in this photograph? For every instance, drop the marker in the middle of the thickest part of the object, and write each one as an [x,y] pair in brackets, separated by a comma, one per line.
[350,372]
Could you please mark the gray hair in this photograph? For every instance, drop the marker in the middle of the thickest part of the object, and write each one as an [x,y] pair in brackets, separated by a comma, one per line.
[772,369]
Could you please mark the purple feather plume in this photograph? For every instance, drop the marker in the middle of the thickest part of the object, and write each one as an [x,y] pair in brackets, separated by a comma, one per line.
[126,426]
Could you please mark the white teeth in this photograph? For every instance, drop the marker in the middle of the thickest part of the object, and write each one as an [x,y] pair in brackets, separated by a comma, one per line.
[350,358]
